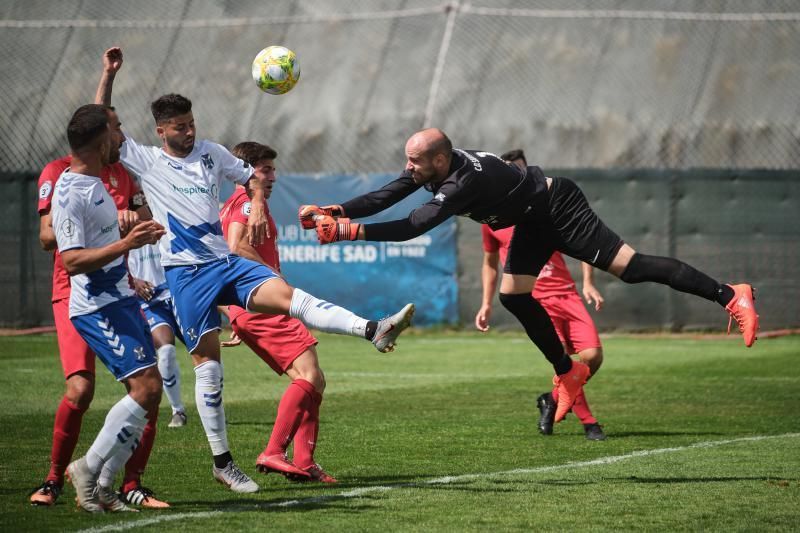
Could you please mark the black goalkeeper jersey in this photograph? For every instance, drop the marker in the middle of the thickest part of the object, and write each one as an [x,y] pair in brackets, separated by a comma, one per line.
[480,186]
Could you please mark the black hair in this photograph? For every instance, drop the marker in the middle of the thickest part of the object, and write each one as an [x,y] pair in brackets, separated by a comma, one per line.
[170,106]
[88,122]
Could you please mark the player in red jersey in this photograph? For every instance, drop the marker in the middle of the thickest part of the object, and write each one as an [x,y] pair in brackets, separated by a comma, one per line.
[77,360]
[555,291]
[282,342]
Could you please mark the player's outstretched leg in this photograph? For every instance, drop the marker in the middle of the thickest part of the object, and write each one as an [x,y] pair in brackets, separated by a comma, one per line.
[275,296]
[738,300]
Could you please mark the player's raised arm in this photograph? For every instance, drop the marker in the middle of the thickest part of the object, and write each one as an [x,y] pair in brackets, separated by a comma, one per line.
[112,62]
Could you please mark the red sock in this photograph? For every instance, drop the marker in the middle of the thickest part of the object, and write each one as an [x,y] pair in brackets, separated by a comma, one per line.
[135,466]
[66,430]
[582,411]
[305,440]
[295,402]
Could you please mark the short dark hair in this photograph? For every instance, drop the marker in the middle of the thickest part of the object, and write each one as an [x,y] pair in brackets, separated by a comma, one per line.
[513,155]
[88,122]
[441,146]
[170,106]
[252,152]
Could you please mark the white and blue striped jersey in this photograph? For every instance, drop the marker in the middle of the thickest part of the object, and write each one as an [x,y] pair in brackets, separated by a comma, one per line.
[183,194]
[84,216]
[145,263]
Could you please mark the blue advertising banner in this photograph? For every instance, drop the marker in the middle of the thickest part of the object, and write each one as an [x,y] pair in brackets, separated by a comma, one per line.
[373,279]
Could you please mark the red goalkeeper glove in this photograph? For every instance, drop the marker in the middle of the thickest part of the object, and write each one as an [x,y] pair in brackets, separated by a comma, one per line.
[331,230]
[306,214]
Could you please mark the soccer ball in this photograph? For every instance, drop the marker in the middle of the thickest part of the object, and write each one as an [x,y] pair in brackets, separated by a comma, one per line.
[276,70]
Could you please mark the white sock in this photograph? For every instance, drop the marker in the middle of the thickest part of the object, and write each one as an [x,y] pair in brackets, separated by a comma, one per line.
[124,421]
[117,461]
[325,316]
[208,397]
[170,376]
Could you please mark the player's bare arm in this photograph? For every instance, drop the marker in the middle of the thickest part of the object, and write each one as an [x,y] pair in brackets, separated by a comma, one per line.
[489,275]
[112,62]
[257,227]
[82,260]
[239,243]
[590,292]
[47,237]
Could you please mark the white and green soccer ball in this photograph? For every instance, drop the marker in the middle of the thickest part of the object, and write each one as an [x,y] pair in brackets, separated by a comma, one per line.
[276,70]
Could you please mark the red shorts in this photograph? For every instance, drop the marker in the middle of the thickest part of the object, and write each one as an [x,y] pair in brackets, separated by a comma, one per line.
[277,339]
[76,356]
[573,323]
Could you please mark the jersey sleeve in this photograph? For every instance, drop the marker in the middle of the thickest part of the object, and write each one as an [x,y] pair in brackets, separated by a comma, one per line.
[376,201]
[490,243]
[68,222]
[240,210]
[233,168]
[47,184]
[136,157]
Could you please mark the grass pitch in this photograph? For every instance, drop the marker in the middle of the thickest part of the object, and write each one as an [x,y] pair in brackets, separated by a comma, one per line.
[441,435]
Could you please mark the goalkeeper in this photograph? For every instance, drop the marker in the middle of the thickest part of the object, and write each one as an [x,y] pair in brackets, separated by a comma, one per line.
[549,214]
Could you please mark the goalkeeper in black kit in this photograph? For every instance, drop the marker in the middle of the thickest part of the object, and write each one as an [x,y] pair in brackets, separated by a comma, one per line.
[549,214]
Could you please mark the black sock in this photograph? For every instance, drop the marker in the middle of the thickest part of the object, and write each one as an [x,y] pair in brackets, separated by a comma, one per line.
[369,332]
[222,460]
[676,274]
[724,295]
[539,328]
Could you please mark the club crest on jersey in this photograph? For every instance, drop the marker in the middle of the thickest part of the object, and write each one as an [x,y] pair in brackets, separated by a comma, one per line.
[67,228]
[139,351]
[439,197]
[113,181]
[45,190]
[246,209]
[207,161]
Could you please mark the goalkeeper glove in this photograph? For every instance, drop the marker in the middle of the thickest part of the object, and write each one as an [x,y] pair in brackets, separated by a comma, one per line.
[331,230]
[306,214]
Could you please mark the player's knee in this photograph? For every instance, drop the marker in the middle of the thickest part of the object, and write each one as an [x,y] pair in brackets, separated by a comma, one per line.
[80,391]
[593,358]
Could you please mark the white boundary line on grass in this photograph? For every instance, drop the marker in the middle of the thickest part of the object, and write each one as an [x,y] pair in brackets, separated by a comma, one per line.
[360,491]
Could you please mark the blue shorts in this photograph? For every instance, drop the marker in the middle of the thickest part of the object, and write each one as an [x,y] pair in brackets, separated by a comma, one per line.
[197,290]
[160,313]
[119,336]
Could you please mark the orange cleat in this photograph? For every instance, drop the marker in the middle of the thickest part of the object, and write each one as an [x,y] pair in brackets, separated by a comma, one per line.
[742,308]
[280,464]
[318,474]
[46,494]
[569,386]
[143,497]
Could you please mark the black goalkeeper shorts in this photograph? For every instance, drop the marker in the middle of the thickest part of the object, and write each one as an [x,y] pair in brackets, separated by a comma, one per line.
[570,226]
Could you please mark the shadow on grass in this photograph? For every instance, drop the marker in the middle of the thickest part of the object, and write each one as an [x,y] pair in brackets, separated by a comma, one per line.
[621,434]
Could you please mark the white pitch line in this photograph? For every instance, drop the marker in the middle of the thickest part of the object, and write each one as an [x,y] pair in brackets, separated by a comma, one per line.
[361,491]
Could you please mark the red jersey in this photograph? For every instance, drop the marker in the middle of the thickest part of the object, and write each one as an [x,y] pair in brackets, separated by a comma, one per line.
[117,182]
[237,209]
[554,279]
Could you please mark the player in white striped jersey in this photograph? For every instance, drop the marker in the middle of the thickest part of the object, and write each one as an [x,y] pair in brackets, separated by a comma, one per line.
[181,180]
[155,300]
[102,306]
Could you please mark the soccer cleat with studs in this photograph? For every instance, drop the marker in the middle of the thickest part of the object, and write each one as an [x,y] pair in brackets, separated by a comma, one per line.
[742,309]
[111,502]
[280,464]
[143,497]
[85,483]
[594,431]
[178,420]
[569,386]
[46,494]
[316,473]
[391,327]
[233,478]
